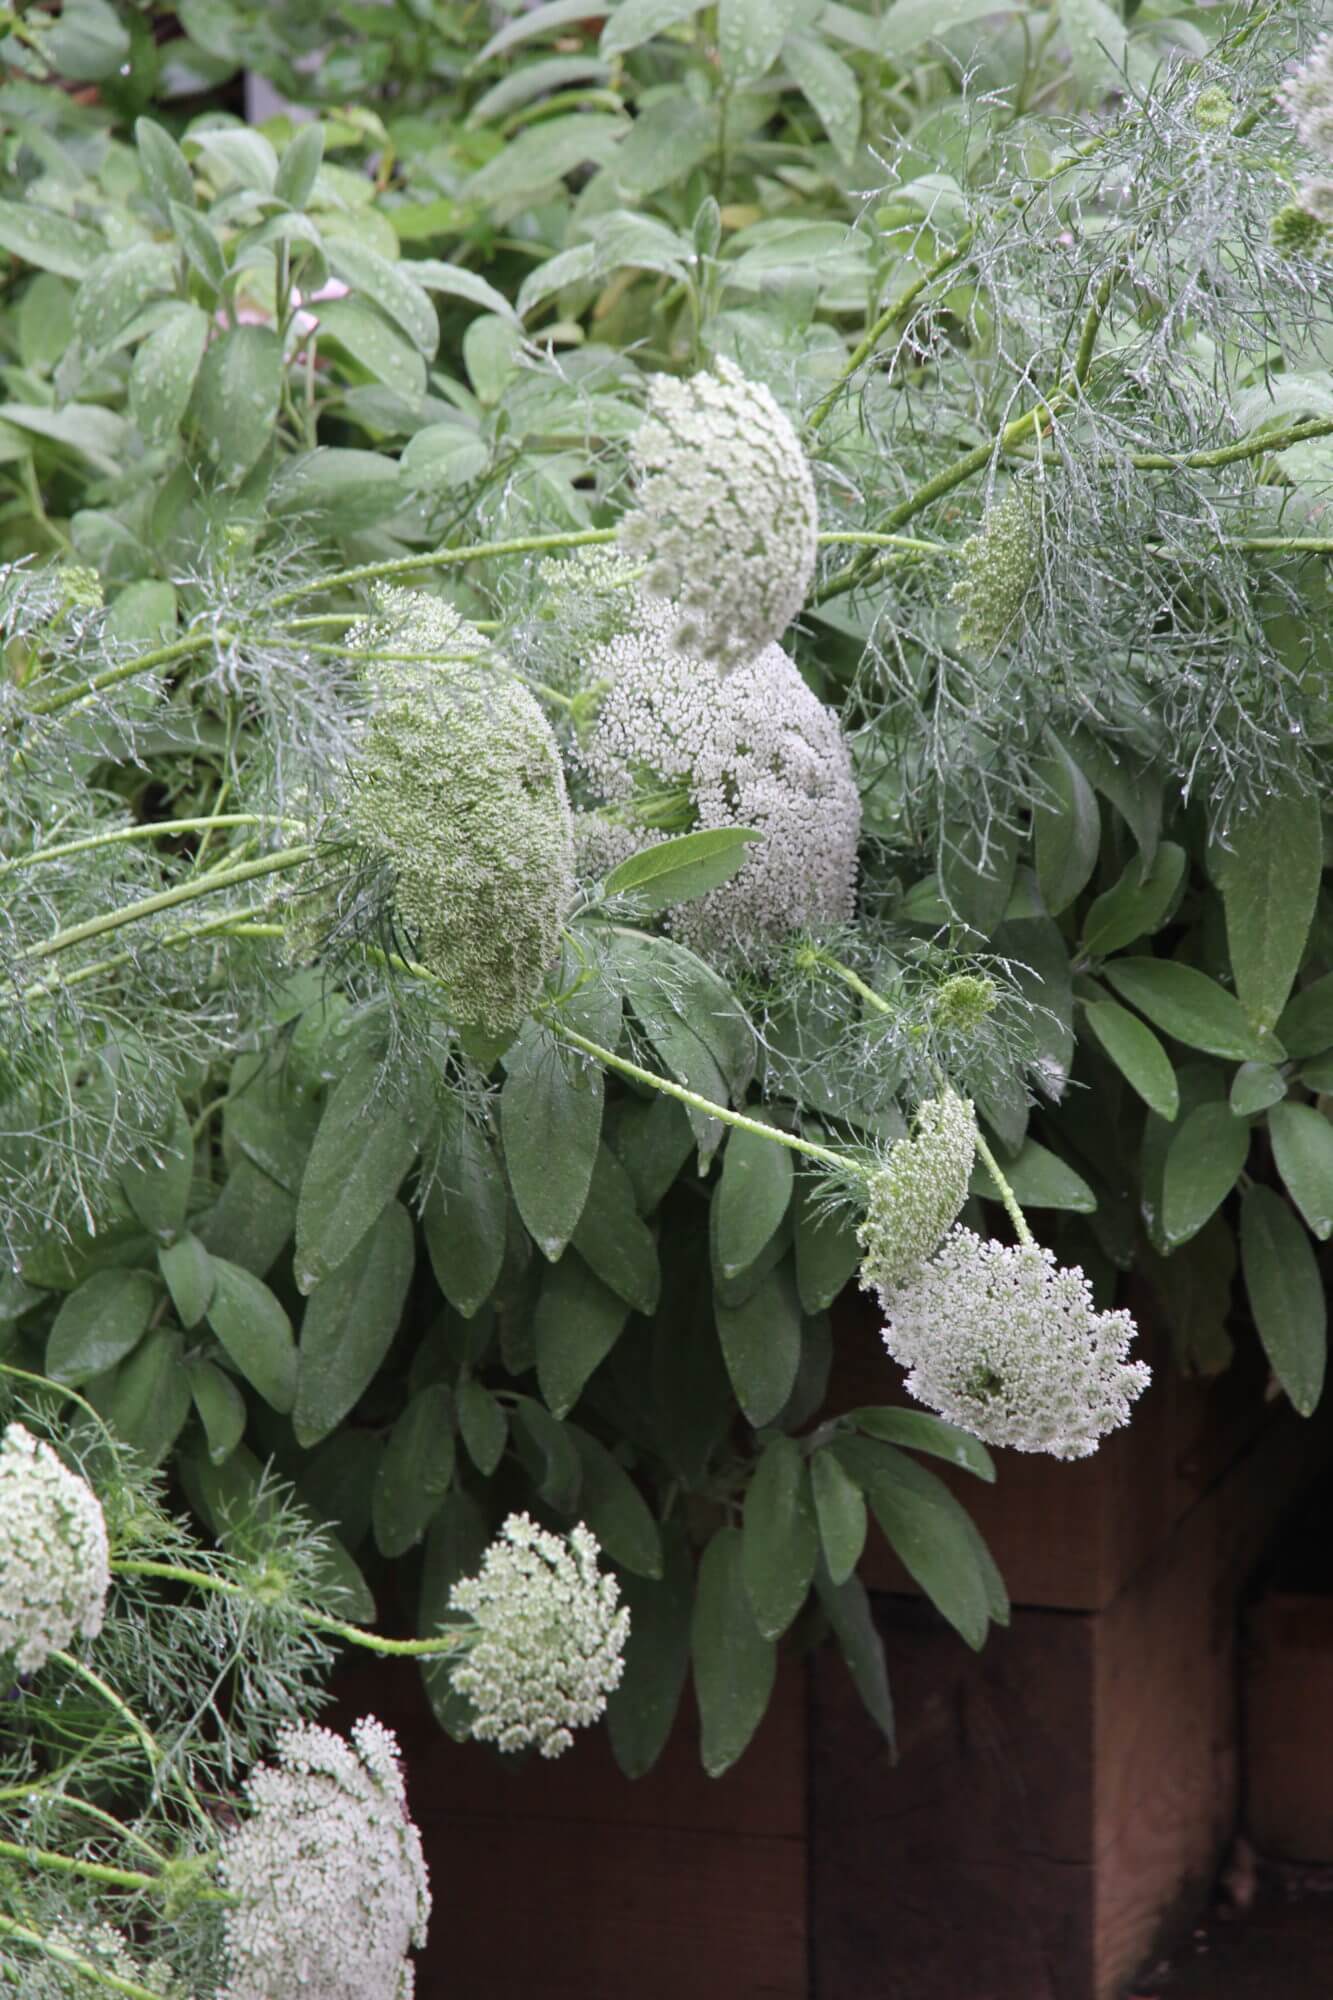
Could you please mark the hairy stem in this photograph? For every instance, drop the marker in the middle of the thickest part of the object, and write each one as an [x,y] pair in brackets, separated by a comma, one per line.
[411,1649]
[168,899]
[156,830]
[142,663]
[1007,1196]
[900,311]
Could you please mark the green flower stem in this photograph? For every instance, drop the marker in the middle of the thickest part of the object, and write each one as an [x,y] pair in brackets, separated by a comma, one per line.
[520,545]
[64,1955]
[841,1161]
[236,923]
[901,309]
[1230,454]
[142,663]
[1309,545]
[408,1649]
[868,538]
[1007,1196]
[69,1864]
[168,899]
[848,978]
[72,1804]
[157,830]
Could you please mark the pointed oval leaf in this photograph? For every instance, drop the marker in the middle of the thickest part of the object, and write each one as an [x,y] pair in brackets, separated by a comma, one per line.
[578,1322]
[752,1197]
[840,1511]
[256,1332]
[640,1712]
[1303,1149]
[761,1344]
[465,1219]
[678,870]
[1269,872]
[615,1510]
[734,1664]
[779,1536]
[100,1322]
[1191,1007]
[415,1472]
[1286,1295]
[1136,1053]
[349,1324]
[363,1148]
[1203,1164]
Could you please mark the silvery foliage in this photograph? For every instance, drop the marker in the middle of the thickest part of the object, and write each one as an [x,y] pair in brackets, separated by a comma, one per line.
[756,749]
[54,1573]
[725,515]
[1001,1341]
[458,791]
[550,1635]
[916,1195]
[327,1872]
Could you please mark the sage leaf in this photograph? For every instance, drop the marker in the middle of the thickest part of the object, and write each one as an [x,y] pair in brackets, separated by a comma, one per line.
[1286,1295]
[734,1664]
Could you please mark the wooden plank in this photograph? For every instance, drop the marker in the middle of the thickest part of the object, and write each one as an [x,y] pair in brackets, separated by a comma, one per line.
[1287,1743]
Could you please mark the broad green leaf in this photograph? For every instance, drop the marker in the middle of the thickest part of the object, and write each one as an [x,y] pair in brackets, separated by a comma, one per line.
[683,1004]
[96,434]
[252,1220]
[302,157]
[1194,1284]
[236,396]
[847,1608]
[146,1397]
[1135,788]
[156,1183]
[551,1119]
[349,1324]
[924,1525]
[827,1250]
[483,1424]
[256,1333]
[910,24]
[98,1324]
[652,1142]
[51,241]
[1138,905]
[164,167]
[534,25]
[547,1450]
[750,34]
[1066,829]
[221,1408]
[577,1323]
[117,289]
[455,1545]
[187,1269]
[1269,873]
[734,1664]
[761,1344]
[393,288]
[1190,1007]
[1317,1074]
[362,1150]
[779,1536]
[458,282]
[543,155]
[1098,44]
[1306,1024]
[529,81]
[237,156]
[640,1712]
[831,85]
[1255,1086]
[679,870]
[466,1217]
[615,1510]
[415,1472]
[1136,1053]
[163,375]
[916,1430]
[1039,1180]
[1286,1294]
[373,343]
[752,1196]
[1203,1164]
[840,1511]
[87,42]
[1303,1150]
[634,22]
[203,251]
[613,1239]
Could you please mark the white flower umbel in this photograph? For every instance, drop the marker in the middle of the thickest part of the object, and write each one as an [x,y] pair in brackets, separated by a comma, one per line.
[54,1572]
[1003,1342]
[1307,98]
[460,792]
[327,1872]
[550,1637]
[757,749]
[726,518]
[917,1194]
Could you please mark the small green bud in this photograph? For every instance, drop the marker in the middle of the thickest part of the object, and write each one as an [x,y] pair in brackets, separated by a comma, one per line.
[999,566]
[962,1003]
[1296,232]
[80,587]
[917,1194]
[1213,109]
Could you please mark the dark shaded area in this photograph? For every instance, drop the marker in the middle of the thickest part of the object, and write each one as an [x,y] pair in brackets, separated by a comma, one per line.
[1279,1947]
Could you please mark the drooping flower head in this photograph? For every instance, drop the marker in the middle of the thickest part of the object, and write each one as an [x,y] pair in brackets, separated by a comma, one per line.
[757,749]
[327,1872]
[725,515]
[458,787]
[1307,98]
[917,1194]
[550,1637]
[999,565]
[1004,1343]
[54,1559]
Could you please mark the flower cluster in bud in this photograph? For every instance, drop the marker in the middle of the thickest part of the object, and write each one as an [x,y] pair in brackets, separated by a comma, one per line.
[757,749]
[458,788]
[1307,98]
[54,1559]
[917,1194]
[1298,229]
[550,1637]
[1004,1343]
[725,516]
[326,1871]
[1213,109]
[962,1002]
[999,565]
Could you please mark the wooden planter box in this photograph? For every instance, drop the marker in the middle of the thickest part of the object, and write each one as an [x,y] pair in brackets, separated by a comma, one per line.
[1058,1799]
[1288,1735]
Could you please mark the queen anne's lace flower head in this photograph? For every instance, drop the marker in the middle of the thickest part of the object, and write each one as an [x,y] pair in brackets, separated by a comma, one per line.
[726,517]
[459,789]
[327,1872]
[917,1194]
[999,565]
[1307,98]
[550,1637]
[757,749]
[1003,1342]
[54,1559]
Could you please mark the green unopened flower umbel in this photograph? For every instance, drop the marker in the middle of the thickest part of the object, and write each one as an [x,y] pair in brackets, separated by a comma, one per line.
[918,1192]
[962,1002]
[458,788]
[54,1559]
[550,1637]
[1004,1343]
[999,566]
[725,514]
[326,1873]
